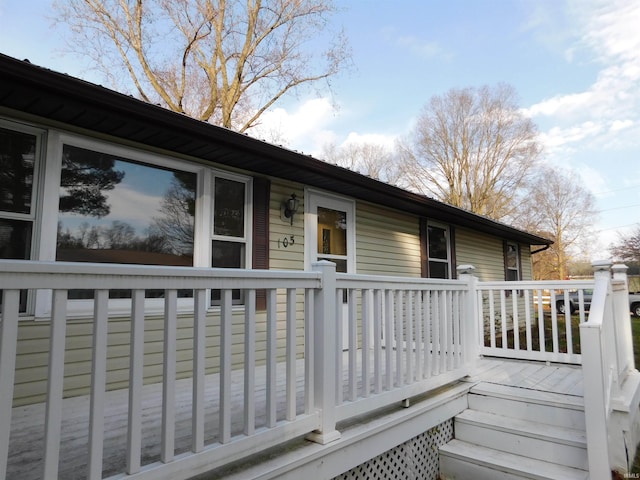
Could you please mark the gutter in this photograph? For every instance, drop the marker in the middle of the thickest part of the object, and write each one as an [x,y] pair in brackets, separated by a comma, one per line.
[546,247]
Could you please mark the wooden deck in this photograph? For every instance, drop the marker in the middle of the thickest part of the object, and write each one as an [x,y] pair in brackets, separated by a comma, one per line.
[553,378]
[27,432]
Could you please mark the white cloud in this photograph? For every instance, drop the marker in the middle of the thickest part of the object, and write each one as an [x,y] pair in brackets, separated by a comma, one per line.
[147,206]
[560,105]
[422,48]
[310,127]
[559,137]
[618,125]
[306,127]
[419,46]
[371,138]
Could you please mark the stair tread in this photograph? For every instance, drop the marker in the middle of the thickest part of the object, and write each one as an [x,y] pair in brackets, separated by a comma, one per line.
[523,427]
[502,461]
[529,395]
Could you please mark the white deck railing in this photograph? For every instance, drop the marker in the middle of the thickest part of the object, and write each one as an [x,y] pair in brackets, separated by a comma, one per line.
[606,335]
[523,320]
[406,337]
[411,336]
[365,342]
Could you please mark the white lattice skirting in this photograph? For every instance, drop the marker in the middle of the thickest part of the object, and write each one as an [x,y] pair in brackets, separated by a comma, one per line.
[414,459]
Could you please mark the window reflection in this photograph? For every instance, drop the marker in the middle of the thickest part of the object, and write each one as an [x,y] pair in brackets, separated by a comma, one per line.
[438,251]
[437,242]
[15,239]
[228,246]
[512,262]
[332,232]
[228,208]
[114,210]
[17,165]
[227,255]
[17,160]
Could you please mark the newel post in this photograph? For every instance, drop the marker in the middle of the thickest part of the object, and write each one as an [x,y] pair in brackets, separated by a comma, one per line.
[622,319]
[595,371]
[325,351]
[472,319]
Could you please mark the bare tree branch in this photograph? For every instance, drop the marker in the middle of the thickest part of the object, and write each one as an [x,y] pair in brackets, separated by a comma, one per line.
[222,61]
[472,148]
[562,210]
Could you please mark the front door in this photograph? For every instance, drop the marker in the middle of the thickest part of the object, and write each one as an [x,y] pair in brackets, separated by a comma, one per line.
[330,233]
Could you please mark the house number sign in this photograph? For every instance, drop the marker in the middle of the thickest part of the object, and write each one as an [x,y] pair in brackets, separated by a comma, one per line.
[286,241]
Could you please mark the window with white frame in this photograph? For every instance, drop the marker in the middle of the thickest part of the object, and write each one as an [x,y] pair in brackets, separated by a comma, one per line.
[20,148]
[230,227]
[112,209]
[108,203]
[512,262]
[438,250]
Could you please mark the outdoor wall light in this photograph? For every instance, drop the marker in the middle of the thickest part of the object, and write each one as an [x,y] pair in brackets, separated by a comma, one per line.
[289,208]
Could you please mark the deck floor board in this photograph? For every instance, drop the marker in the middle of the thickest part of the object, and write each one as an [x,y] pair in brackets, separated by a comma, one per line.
[27,429]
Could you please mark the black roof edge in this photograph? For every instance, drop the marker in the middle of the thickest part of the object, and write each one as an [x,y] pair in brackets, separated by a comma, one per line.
[89,95]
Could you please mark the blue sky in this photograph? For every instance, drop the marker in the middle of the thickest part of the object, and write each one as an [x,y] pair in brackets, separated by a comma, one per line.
[574,63]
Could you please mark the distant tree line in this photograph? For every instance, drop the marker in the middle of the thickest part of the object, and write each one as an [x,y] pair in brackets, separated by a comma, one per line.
[474,148]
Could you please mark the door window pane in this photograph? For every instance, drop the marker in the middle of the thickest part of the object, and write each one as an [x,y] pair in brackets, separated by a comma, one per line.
[228,218]
[17,161]
[116,210]
[332,232]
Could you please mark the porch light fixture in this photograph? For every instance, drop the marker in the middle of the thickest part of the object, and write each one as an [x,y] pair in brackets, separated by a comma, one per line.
[289,208]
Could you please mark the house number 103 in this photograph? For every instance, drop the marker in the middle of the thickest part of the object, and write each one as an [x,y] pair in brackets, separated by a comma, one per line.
[286,241]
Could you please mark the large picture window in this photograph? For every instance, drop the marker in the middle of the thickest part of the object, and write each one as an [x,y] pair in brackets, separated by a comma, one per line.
[115,210]
[105,203]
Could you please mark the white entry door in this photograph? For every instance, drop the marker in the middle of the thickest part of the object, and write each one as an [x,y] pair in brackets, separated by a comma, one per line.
[330,235]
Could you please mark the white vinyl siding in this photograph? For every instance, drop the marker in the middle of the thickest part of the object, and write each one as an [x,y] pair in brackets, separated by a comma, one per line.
[291,256]
[387,242]
[483,251]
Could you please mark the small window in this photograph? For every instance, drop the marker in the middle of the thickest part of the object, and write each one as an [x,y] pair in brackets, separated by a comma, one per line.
[19,157]
[229,229]
[512,262]
[438,251]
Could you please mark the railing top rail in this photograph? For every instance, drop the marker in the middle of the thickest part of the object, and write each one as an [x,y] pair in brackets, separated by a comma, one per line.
[22,274]
[537,284]
[598,304]
[349,280]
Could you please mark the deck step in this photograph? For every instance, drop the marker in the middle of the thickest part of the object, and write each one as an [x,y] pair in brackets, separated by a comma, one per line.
[560,445]
[530,395]
[517,433]
[461,460]
[541,407]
